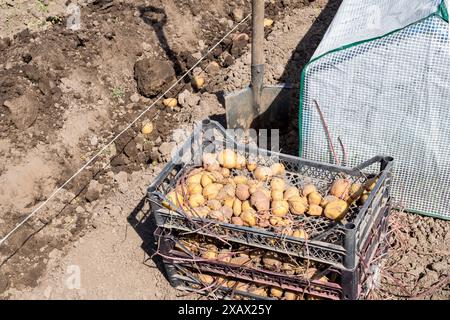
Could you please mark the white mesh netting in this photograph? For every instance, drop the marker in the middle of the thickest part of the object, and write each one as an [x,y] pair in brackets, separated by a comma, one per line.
[389,96]
[359,20]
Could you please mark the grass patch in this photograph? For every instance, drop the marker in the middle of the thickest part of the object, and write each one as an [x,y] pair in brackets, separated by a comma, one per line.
[118,93]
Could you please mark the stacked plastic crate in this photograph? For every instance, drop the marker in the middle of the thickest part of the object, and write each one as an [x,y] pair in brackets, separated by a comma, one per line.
[328,260]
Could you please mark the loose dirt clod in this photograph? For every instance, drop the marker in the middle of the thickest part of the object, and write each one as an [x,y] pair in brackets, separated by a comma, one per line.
[24,109]
[153,76]
[94,190]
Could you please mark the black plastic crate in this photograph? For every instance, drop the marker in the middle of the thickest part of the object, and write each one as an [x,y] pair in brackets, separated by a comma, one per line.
[348,284]
[330,242]
[260,276]
[184,279]
[358,281]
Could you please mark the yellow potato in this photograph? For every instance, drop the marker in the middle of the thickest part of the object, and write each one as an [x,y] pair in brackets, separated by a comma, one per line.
[310,273]
[205,278]
[214,204]
[147,128]
[237,207]
[251,166]
[198,82]
[356,192]
[262,173]
[246,205]
[212,190]
[280,208]
[268,22]
[315,210]
[287,231]
[195,178]
[277,169]
[242,286]
[228,202]
[188,211]
[210,162]
[276,292]
[196,200]
[340,188]
[225,172]
[253,188]
[336,210]
[277,195]
[240,180]
[276,221]
[260,291]
[210,255]
[209,158]
[249,217]
[193,188]
[314,198]
[278,184]
[221,281]
[298,205]
[289,295]
[175,198]
[309,188]
[227,158]
[288,267]
[291,192]
[271,260]
[301,199]
[300,233]
[355,188]
[207,179]
[298,208]
[219,178]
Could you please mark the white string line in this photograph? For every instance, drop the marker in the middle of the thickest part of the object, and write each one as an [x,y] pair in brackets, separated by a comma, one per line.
[118,135]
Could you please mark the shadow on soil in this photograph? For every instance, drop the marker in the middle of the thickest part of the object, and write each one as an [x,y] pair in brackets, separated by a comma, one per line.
[143,222]
[157,19]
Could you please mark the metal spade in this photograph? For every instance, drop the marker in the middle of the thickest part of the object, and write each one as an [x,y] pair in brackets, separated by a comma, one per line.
[258,106]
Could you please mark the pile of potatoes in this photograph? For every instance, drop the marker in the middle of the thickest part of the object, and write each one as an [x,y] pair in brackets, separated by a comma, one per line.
[258,290]
[232,189]
[240,255]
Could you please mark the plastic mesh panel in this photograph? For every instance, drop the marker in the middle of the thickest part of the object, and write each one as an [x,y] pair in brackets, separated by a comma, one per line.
[388,96]
[359,20]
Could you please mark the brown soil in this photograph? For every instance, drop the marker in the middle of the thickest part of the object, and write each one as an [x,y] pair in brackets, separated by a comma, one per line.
[84,85]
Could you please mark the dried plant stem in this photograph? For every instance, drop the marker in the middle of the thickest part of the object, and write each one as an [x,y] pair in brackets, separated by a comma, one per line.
[327,131]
